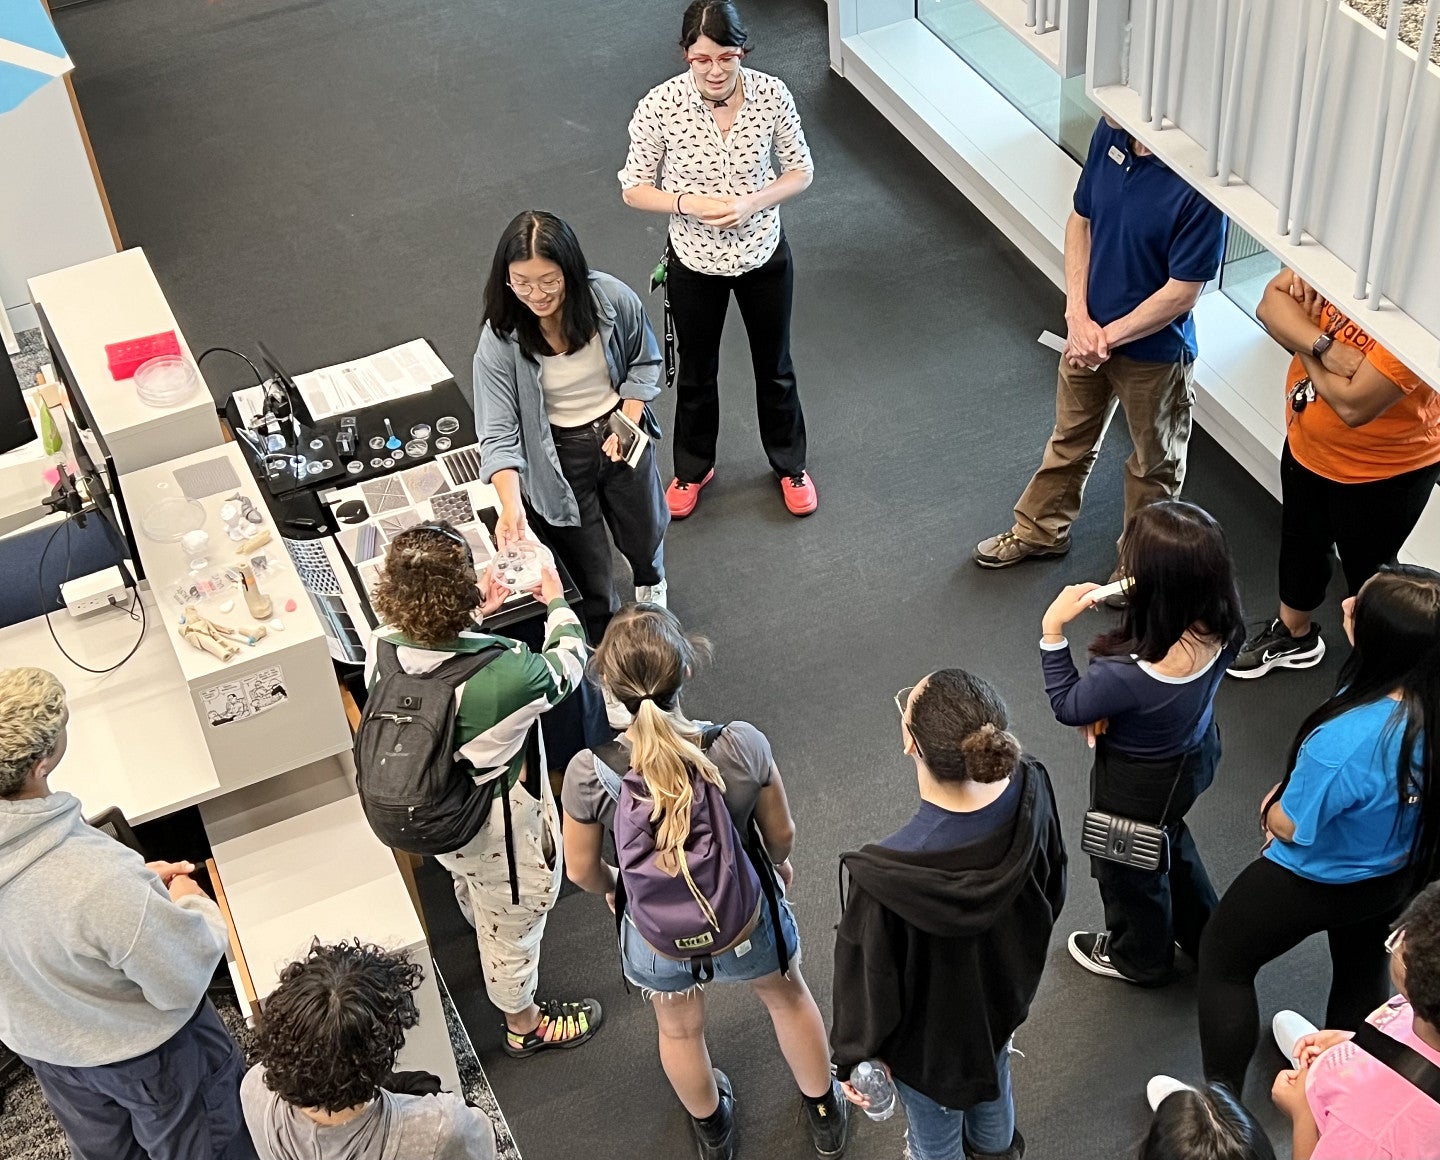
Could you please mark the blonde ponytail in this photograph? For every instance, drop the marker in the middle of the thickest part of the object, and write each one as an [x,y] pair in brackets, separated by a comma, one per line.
[664,751]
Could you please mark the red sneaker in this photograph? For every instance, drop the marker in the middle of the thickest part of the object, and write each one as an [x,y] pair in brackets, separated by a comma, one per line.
[799,493]
[681,498]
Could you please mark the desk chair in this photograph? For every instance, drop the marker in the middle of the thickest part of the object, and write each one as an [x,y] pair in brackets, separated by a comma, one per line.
[92,548]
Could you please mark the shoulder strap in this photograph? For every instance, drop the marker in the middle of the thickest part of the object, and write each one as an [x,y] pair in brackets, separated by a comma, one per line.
[462,666]
[1400,1058]
[609,760]
[711,734]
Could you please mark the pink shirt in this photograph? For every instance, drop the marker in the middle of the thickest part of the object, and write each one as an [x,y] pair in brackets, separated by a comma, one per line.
[1367,1112]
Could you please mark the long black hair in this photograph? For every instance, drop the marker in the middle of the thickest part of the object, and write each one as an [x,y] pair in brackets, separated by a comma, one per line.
[1181,575]
[716,19]
[1397,646]
[537,234]
[1208,1124]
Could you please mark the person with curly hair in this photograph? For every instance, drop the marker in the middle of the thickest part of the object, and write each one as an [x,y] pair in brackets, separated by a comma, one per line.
[105,963]
[326,1044]
[945,925]
[508,874]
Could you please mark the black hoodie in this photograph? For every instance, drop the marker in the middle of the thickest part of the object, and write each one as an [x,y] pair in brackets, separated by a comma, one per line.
[939,953]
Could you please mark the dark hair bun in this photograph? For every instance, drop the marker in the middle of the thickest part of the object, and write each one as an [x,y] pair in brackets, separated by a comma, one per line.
[991,753]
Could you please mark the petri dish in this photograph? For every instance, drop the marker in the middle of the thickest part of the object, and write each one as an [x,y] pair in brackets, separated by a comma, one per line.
[420,431]
[165,381]
[417,448]
[447,425]
[167,520]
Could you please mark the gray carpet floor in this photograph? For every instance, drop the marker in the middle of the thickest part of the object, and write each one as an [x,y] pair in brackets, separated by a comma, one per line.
[330,176]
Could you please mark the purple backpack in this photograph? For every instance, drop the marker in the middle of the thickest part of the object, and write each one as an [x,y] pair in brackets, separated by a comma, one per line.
[654,892]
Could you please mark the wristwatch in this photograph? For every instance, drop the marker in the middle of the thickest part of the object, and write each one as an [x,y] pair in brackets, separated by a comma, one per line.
[1322,344]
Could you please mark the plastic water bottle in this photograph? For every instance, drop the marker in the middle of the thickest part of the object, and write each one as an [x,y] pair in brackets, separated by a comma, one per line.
[872,1082]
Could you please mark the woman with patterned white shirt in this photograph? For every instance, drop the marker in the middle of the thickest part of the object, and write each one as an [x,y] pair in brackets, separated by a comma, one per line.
[700,151]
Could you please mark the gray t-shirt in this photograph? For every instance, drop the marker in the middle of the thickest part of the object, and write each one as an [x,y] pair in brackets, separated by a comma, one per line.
[393,1127]
[741,754]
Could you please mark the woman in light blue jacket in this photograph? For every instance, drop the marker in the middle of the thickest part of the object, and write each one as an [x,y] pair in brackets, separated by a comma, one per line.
[561,348]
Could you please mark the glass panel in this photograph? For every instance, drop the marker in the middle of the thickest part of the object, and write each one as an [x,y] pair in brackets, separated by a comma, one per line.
[1246,269]
[1059,108]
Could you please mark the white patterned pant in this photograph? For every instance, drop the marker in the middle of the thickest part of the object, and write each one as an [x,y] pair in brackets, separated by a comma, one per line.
[508,934]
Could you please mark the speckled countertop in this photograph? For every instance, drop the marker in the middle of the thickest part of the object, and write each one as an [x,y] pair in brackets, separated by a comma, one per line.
[1412,16]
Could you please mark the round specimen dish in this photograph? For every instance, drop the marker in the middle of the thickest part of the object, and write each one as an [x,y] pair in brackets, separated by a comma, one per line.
[416,448]
[165,381]
[420,431]
[447,425]
[442,444]
[166,521]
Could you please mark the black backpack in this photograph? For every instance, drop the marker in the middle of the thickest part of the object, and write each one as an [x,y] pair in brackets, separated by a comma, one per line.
[417,795]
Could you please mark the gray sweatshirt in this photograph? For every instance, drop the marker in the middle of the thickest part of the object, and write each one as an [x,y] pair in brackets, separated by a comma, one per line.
[393,1127]
[97,965]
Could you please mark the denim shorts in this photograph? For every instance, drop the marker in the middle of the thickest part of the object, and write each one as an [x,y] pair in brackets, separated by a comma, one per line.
[653,972]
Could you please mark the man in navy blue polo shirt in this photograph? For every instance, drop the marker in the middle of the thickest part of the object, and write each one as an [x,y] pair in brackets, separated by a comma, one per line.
[1139,246]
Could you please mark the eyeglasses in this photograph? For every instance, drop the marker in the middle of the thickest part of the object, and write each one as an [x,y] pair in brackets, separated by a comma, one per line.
[1392,940]
[902,699]
[525,289]
[724,59]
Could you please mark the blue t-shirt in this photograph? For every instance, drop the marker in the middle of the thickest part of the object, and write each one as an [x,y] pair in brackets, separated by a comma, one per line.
[1349,823]
[935,828]
[1147,225]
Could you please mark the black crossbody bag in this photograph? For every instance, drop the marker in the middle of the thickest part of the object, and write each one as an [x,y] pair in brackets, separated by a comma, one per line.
[1128,841]
[1400,1058]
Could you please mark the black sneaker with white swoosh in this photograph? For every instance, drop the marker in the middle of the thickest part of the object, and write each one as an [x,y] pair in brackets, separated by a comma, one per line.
[1274,648]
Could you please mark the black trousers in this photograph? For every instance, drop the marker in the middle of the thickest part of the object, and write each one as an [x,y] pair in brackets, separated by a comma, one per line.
[1267,911]
[180,1101]
[697,304]
[630,501]
[1367,523]
[1148,911]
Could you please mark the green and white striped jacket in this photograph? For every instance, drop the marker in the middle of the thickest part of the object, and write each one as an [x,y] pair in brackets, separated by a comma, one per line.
[495,708]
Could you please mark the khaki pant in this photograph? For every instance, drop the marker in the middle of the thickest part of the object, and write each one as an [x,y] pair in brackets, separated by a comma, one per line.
[1157,399]
[509,935]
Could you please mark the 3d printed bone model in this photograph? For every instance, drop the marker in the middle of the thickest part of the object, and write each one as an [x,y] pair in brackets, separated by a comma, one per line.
[213,638]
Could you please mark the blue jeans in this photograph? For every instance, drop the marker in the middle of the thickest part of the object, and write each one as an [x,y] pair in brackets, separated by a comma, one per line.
[939,1133]
[754,958]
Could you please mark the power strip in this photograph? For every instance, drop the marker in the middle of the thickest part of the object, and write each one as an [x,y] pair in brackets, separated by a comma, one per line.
[87,595]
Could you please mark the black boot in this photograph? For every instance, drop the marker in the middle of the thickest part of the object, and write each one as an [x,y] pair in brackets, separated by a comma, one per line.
[1014,1152]
[829,1122]
[715,1135]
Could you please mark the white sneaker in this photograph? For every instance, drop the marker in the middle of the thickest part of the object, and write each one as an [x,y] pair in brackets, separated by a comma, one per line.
[1161,1086]
[653,594]
[1289,1027]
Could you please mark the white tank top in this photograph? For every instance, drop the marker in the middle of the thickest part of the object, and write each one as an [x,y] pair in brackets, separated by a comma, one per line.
[577,386]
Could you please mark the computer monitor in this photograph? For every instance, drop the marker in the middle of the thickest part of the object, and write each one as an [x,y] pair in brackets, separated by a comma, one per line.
[16,427]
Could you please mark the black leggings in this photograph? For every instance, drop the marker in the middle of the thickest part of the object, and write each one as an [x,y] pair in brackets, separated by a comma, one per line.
[1267,911]
[1367,523]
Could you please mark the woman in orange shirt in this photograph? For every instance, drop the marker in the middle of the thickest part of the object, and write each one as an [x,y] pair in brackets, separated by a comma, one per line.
[1361,458]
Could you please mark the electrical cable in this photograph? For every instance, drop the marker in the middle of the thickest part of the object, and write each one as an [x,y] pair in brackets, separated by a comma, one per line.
[259,378]
[44,604]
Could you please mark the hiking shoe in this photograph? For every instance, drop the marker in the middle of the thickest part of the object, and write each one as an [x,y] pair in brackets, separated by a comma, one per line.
[1273,647]
[1007,548]
[1162,1086]
[562,1025]
[799,492]
[653,594]
[715,1135]
[829,1122]
[1016,1151]
[1091,951]
[681,498]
